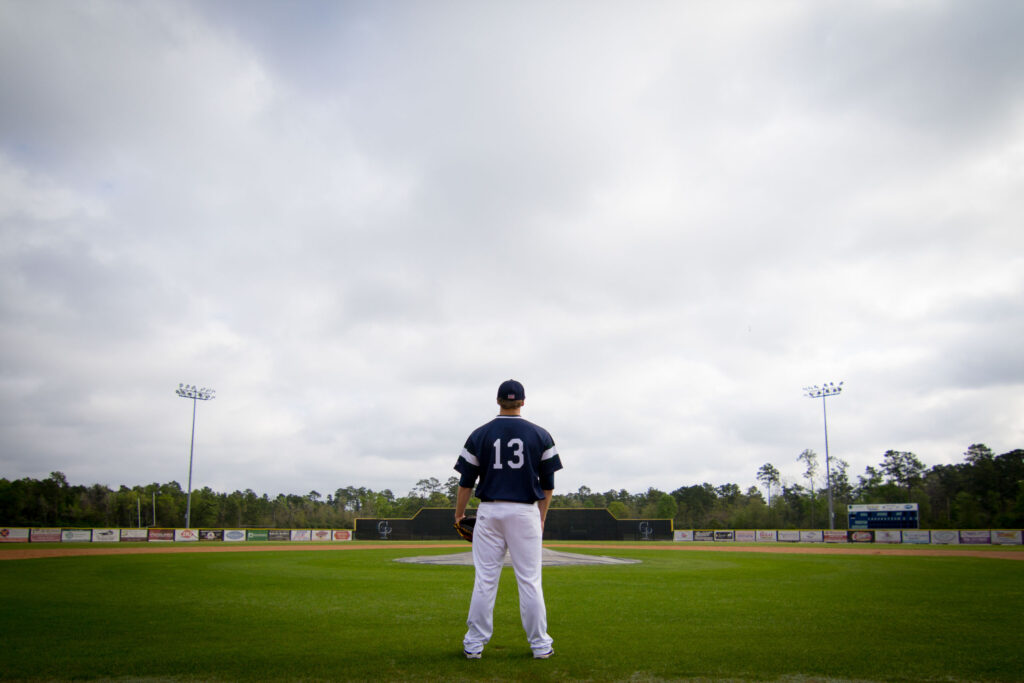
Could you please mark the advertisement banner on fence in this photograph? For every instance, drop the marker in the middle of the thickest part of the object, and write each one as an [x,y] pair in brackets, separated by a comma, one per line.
[186,535]
[975,537]
[44,536]
[1006,537]
[301,535]
[13,535]
[766,536]
[211,534]
[234,535]
[105,536]
[257,535]
[812,536]
[746,536]
[342,535]
[703,535]
[76,536]
[279,534]
[681,535]
[161,535]
[945,537]
[321,534]
[834,536]
[134,535]
[789,536]
[725,536]
[862,536]
[888,536]
[917,536]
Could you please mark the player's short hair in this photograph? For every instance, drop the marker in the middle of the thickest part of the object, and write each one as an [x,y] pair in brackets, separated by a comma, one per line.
[509,404]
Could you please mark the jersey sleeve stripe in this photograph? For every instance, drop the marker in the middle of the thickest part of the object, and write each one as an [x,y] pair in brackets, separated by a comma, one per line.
[470,458]
[548,454]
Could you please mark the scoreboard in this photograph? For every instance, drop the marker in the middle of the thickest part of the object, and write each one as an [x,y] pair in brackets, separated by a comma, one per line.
[883,516]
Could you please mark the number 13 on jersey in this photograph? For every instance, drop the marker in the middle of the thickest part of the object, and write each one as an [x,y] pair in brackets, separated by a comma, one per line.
[516,446]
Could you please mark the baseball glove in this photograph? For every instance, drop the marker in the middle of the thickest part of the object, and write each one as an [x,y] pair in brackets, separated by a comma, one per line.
[465,527]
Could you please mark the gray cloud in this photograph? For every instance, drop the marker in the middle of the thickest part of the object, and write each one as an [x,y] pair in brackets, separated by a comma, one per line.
[354,220]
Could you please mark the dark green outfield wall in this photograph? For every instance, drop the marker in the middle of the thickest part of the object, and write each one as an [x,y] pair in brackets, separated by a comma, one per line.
[563,524]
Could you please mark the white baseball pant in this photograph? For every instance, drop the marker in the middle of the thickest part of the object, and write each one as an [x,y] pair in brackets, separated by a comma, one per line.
[515,526]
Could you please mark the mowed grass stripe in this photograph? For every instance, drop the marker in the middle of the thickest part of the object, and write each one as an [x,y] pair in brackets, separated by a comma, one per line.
[361,616]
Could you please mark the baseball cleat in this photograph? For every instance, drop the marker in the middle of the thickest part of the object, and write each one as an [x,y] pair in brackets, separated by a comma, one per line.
[543,655]
[472,655]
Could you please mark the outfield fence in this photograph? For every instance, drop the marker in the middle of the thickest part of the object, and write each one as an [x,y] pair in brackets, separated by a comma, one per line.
[853,536]
[914,536]
[164,535]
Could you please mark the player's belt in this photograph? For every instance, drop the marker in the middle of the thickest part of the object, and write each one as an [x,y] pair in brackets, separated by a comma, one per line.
[509,501]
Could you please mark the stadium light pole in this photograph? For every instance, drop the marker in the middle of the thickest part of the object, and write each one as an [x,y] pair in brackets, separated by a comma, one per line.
[204,394]
[823,392]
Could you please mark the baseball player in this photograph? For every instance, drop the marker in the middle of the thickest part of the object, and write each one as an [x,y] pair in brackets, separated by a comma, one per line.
[515,462]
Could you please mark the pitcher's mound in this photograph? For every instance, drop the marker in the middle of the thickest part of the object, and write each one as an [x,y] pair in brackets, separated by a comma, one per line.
[552,558]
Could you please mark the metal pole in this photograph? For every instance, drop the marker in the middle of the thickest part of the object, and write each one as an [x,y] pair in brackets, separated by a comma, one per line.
[824,392]
[828,473]
[204,394]
[191,450]
[154,508]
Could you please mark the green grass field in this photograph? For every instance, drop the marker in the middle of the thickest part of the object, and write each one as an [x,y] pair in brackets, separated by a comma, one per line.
[357,615]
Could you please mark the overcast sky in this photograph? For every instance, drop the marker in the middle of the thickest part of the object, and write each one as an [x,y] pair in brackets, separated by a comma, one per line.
[355,219]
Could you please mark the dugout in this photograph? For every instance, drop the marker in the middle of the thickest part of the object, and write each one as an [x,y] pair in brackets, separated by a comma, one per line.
[563,524]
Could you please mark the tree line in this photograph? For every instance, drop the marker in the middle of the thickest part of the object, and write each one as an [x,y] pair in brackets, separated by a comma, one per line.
[983,491]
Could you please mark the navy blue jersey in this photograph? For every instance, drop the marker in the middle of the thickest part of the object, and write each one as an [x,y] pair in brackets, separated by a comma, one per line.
[514,459]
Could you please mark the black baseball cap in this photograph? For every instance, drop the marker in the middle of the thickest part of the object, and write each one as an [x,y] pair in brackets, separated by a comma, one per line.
[511,390]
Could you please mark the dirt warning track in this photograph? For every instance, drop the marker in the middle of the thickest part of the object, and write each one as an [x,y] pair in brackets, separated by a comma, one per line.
[140,549]
[813,550]
[30,552]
